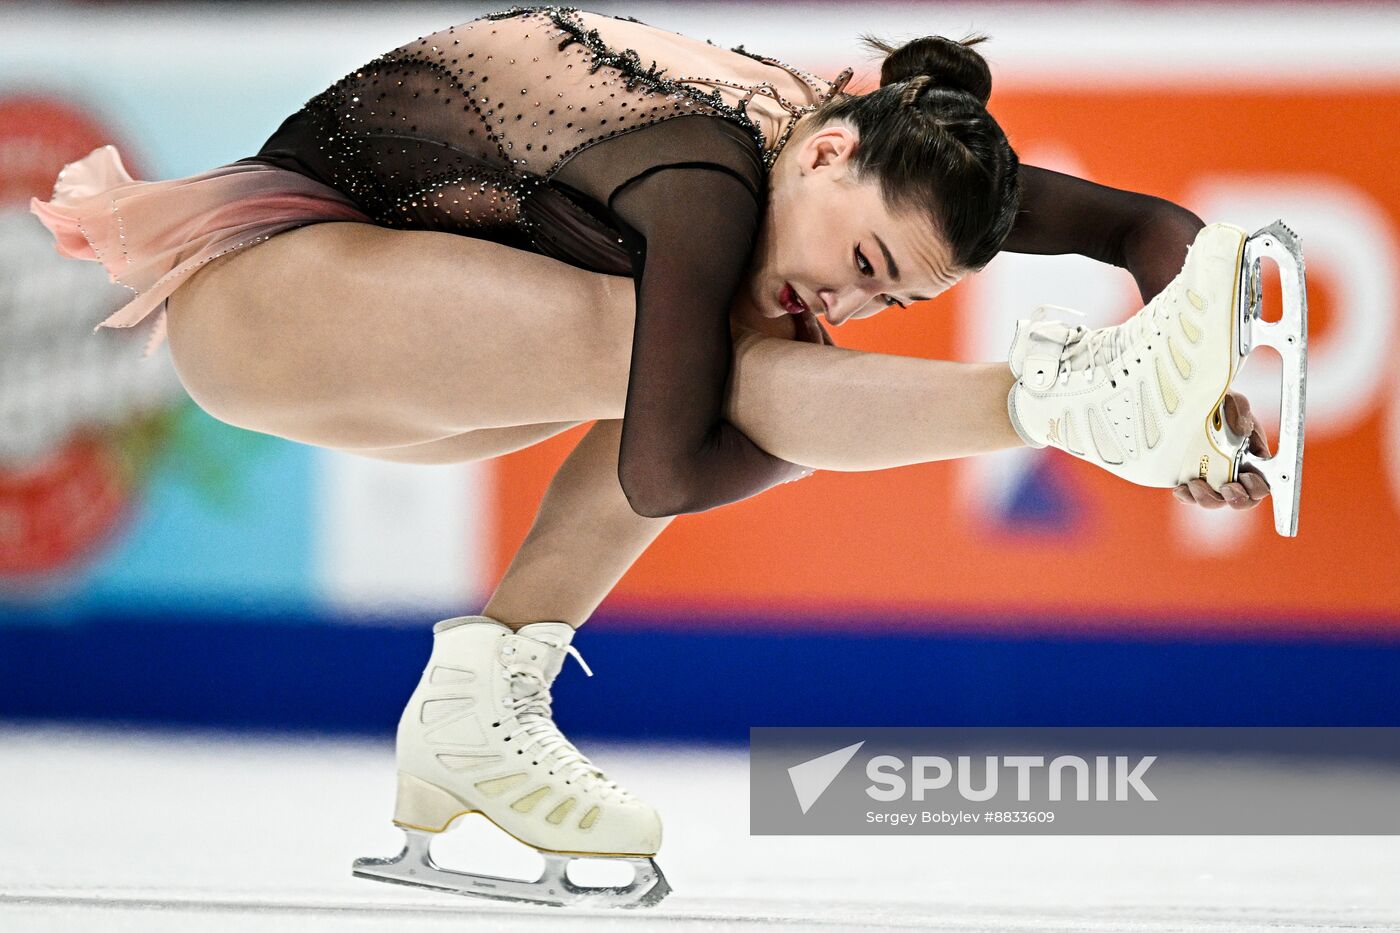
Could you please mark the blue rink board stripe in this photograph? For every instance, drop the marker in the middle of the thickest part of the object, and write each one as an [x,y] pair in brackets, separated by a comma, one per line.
[674,683]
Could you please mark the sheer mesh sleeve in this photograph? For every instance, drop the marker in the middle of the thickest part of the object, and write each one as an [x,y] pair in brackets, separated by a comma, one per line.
[686,197]
[1146,235]
[692,230]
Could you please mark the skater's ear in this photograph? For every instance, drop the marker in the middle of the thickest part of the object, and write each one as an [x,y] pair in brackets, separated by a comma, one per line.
[828,151]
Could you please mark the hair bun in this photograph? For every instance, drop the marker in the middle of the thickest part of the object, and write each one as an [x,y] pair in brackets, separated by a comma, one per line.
[948,63]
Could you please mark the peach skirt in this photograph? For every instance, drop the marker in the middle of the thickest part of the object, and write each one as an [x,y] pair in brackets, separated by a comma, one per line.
[150,235]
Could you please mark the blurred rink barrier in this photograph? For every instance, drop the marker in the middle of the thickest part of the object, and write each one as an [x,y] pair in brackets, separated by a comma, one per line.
[157,565]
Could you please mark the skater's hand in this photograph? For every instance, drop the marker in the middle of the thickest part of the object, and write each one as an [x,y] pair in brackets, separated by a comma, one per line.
[1251,487]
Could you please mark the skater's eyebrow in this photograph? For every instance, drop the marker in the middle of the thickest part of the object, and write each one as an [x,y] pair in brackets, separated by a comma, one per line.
[889,260]
[894,266]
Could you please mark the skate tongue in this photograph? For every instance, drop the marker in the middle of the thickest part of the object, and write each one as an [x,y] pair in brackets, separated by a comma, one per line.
[1038,349]
[554,634]
[556,637]
[1031,330]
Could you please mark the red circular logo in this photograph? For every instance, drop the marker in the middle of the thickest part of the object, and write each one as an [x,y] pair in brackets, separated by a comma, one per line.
[64,483]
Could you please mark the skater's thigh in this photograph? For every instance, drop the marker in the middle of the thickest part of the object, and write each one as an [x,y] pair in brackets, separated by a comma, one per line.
[481,444]
[353,335]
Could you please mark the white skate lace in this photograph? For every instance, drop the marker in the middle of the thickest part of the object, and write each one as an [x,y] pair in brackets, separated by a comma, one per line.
[530,701]
[1089,350]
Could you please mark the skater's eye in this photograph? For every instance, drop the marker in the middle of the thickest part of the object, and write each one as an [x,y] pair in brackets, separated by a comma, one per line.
[866,269]
[863,264]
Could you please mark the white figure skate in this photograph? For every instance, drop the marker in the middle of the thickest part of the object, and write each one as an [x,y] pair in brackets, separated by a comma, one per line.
[1143,399]
[477,737]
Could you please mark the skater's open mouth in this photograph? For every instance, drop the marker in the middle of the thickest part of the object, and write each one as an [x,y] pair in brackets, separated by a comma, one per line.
[791,302]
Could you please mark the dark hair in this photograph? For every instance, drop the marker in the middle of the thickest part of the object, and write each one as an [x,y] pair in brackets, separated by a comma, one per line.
[927,137]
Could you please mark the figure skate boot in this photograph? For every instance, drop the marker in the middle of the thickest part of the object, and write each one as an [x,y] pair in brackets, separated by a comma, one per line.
[1143,399]
[477,736]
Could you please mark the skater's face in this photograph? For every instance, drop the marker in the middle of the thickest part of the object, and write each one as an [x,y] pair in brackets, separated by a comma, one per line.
[831,244]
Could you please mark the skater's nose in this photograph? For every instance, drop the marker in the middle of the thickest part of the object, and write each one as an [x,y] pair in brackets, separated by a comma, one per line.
[841,303]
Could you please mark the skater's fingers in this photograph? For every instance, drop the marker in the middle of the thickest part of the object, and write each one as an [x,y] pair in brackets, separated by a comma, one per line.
[1238,402]
[1255,485]
[1237,497]
[1242,421]
[1204,495]
[1237,414]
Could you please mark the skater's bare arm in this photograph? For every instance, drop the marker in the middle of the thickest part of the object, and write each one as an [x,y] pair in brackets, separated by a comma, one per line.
[1146,235]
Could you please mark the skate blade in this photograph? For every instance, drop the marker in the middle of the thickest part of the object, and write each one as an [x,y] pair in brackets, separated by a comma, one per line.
[415,866]
[1289,336]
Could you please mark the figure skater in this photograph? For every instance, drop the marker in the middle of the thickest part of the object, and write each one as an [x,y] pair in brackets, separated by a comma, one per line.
[545,217]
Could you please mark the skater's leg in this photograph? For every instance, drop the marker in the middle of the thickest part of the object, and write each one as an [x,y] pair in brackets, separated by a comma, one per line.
[585,535]
[482,444]
[837,409]
[584,538]
[357,337]
[908,417]
[932,419]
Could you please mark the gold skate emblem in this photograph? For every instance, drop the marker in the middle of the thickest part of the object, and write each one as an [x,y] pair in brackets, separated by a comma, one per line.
[1205,466]
[1054,432]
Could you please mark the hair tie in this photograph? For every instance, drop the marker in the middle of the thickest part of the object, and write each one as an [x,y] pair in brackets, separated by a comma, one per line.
[913,89]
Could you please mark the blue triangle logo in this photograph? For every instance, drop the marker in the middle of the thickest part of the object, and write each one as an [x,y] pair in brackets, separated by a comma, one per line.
[1042,500]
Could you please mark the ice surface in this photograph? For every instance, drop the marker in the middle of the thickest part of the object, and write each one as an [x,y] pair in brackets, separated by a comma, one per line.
[115,830]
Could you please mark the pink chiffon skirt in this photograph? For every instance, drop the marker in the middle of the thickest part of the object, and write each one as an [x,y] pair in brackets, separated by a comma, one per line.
[150,235]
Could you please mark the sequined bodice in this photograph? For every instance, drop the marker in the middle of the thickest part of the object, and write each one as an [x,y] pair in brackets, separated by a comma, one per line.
[473,129]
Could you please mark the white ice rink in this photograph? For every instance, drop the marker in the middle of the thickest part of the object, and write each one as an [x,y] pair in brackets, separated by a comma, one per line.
[112,831]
